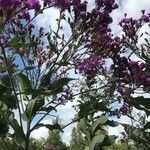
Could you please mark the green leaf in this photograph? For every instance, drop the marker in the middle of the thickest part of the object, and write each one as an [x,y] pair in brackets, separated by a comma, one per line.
[27,85]
[57,86]
[98,123]
[141,101]
[53,47]
[97,140]
[33,106]
[5,81]
[48,109]
[137,134]
[14,41]
[10,101]
[18,133]
[109,140]
[29,68]
[84,127]
[4,128]
[45,81]
[3,69]
[91,106]
[87,148]
[147,126]
[112,123]
[55,126]
[24,45]
[3,106]
[138,102]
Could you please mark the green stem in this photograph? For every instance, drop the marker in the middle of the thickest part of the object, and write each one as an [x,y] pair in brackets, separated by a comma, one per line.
[27,142]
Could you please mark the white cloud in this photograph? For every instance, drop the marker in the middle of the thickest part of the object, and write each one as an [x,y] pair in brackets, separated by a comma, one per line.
[40,133]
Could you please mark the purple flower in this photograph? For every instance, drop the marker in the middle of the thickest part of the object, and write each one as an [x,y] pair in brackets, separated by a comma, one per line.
[33,4]
[63,4]
[25,15]
[9,3]
[3,40]
[144,18]
[89,66]
[126,108]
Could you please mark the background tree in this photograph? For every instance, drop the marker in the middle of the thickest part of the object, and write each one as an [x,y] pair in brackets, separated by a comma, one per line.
[54,138]
[76,141]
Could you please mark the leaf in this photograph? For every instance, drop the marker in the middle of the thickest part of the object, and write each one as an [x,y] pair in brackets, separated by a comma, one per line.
[147,126]
[137,102]
[33,106]
[137,134]
[3,69]
[45,81]
[97,140]
[3,106]
[92,106]
[14,41]
[141,101]
[53,47]
[83,125]
[24,45]
[112,123]
[57,86]
[48,109]
[4,128]
[86,148]
[52,127]
[27,85]
[18,132]
[98,123]
[109,140]
[29,68]
[10,101]
[5,81]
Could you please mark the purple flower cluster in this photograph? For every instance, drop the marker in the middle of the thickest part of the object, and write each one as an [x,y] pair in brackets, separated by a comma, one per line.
[125,109]
[89,66]
[3,40]
[131,72]
[33,4]
[9,3]
[65,95]
[99,38]
[107,4]
[130,25]
[63,4]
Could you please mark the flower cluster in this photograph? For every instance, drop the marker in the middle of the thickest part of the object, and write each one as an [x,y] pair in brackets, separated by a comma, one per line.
[125,109]
[33,4]
[4,4]
[3,39]
[99,38]
[89,66]
[65,95]
[130,26]
[131,72]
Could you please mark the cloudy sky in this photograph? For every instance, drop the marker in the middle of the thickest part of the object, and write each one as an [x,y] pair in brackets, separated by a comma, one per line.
[133,9]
